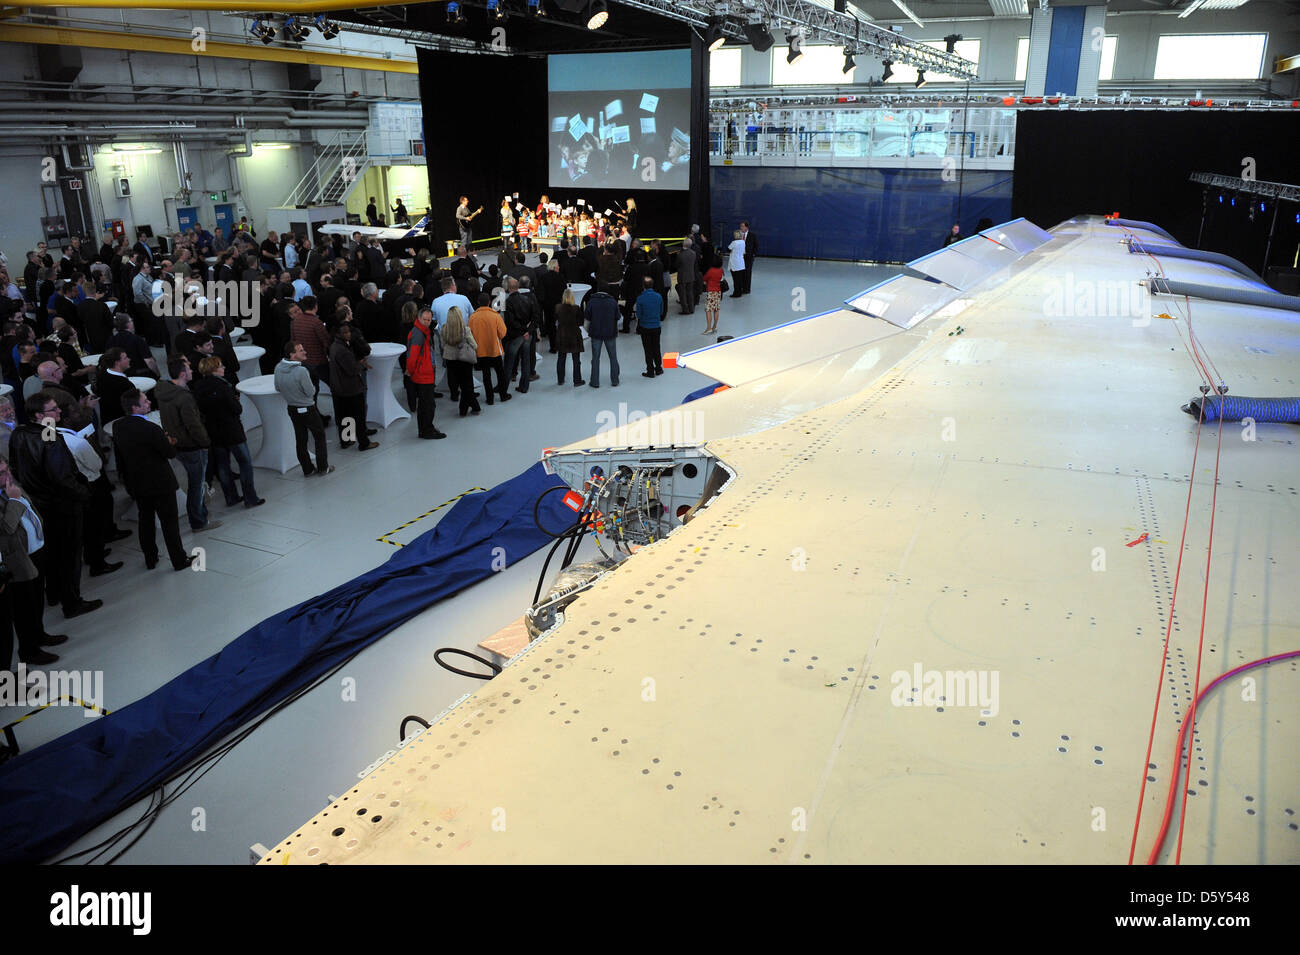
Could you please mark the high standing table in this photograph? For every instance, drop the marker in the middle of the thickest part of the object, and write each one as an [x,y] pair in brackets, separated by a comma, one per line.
[249,368]
[277,451]
[382,406]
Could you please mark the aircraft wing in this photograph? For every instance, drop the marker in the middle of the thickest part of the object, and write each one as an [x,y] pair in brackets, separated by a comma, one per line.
[919,610]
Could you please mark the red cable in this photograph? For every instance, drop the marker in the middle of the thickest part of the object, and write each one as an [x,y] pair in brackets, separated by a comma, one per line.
[1178,753]
[1146,763]
[1205,599]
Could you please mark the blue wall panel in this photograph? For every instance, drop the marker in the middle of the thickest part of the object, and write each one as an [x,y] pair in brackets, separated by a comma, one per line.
[883,215]
[1063,51]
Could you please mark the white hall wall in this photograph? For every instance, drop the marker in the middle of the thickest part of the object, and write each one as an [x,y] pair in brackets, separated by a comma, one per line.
[257,183]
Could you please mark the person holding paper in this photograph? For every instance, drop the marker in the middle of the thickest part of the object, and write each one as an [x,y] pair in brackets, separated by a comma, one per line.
[507,219]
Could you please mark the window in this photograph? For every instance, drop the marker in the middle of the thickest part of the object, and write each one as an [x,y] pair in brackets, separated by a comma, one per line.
[1221,56]
[1107,71]
[820,65]
[1108,45]
[967,49]
[724,67]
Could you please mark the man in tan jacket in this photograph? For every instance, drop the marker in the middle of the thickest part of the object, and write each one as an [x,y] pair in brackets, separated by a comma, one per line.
[488,329]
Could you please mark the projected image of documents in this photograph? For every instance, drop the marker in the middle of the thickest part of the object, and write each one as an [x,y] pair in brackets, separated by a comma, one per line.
[620,120]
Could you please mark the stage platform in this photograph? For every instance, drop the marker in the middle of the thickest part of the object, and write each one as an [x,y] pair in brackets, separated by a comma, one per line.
[990,501]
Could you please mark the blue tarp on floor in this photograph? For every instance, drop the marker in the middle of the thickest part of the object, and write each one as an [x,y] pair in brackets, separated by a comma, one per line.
[53,795]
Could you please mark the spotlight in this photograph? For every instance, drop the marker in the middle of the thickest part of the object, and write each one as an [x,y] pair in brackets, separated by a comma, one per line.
[950,42]
[850,64]
[328,28]
[535,8]
[494,8]
[597,15]
[713,36]
[759,37]
[454,12]
[262,30]
[796,49]
[920,78]
[295,31]
[889,71]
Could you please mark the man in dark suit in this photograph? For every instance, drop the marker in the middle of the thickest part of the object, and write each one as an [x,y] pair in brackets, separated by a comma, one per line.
[588,255]
[44,466]
[751,250]
[111,383]
[142,248]
[143,454]
[95,319]
[686,276]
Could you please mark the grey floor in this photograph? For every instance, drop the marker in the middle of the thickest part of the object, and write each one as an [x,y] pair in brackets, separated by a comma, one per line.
[313,535]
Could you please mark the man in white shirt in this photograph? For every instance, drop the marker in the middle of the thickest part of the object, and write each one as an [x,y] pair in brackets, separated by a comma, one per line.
[291,255]
[736,261]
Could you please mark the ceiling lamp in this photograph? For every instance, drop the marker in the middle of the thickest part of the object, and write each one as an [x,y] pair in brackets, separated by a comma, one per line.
[850,64]
[713,36]
[597,15]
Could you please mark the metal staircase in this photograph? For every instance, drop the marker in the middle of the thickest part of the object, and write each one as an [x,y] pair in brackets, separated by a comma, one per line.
[339,167]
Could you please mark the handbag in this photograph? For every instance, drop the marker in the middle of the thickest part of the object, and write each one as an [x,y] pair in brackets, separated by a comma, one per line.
[724,287]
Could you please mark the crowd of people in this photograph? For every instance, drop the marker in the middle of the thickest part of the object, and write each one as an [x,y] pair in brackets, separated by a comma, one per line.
[72,429]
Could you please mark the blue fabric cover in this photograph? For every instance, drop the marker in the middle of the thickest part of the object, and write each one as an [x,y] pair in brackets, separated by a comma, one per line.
[701,392]
[56,793]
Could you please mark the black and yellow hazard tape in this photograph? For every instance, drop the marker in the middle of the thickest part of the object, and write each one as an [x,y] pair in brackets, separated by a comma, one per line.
[415,520]
[9,748]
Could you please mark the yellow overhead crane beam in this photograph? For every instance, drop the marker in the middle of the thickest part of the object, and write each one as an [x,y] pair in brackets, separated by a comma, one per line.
[184,46]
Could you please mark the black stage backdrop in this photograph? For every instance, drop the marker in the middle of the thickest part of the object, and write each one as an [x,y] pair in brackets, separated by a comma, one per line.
[1137,162]
[493,142]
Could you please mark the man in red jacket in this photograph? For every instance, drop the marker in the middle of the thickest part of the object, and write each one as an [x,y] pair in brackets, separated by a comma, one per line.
[420,369]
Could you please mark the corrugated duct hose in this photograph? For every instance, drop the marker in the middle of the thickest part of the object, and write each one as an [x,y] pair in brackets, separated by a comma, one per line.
[1237,408]
[1215,293]
[1197,255]
[1139,224]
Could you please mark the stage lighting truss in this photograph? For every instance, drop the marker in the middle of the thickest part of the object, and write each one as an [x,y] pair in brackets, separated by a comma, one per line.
[816,24]
[1247,187]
